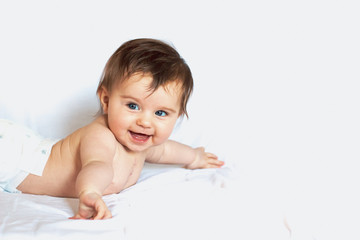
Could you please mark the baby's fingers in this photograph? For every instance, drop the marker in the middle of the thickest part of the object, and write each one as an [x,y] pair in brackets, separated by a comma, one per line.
[103,214]
[214,163]
[81,214]
[211,155]
[101,210]
[76,216]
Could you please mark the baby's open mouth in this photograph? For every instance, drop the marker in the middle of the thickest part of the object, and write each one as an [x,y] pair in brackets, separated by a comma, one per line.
[139,137]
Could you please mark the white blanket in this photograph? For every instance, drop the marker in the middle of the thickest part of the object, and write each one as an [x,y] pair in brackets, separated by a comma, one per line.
[167,203]
[276,83]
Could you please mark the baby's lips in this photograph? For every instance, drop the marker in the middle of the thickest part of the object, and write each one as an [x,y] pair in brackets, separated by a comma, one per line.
[139,137]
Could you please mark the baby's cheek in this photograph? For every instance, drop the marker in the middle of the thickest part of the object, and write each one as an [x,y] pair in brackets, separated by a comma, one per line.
[162,136]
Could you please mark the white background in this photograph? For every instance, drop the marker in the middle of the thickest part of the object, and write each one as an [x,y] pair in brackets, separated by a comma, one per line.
[276,83]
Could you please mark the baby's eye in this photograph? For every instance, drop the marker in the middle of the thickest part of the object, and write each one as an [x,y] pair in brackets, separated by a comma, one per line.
[133,106]
[161,113]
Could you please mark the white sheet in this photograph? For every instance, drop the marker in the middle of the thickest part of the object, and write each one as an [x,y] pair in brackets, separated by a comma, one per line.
[167,203]
[291,120]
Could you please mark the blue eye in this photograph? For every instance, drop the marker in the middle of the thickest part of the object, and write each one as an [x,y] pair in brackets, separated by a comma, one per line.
[133,106]
[160,113]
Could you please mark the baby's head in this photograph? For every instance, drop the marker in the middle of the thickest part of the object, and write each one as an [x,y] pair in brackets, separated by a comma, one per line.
[148,56]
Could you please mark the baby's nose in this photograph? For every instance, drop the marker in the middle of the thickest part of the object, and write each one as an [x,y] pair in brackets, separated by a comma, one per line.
[144,120]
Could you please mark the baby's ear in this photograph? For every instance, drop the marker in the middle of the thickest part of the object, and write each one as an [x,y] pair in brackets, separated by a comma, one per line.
[104,96]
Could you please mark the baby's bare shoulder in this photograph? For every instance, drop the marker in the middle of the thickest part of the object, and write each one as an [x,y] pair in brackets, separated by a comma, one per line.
[97,139]
[98,128]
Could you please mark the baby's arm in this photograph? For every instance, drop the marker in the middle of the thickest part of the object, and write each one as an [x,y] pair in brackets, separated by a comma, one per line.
[172,152]
[96,152]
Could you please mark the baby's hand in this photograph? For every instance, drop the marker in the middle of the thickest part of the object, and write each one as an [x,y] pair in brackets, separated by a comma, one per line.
[92,206]
[204,160]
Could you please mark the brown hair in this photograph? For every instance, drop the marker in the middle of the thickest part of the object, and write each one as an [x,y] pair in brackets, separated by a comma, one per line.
[148,56]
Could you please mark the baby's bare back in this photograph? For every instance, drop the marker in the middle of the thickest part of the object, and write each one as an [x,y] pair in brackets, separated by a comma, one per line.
[61,169]
[64,164]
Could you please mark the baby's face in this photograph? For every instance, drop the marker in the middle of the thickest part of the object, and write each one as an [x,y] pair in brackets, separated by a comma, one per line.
[140,117]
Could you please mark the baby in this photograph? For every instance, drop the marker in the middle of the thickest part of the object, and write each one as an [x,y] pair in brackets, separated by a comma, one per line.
[144,89]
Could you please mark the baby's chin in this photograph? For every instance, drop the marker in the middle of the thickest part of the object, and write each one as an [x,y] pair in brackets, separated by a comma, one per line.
[135,147]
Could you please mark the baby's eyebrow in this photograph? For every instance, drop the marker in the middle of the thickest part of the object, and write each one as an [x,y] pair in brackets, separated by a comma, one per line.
[130,97]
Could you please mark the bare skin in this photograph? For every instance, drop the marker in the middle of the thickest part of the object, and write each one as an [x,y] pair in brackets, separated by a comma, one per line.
[108,155]
[64,165]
